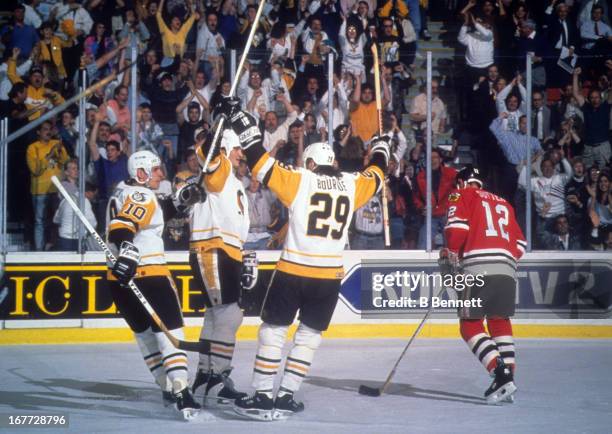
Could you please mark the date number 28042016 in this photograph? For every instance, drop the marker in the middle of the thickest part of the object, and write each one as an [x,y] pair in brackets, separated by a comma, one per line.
[14,421]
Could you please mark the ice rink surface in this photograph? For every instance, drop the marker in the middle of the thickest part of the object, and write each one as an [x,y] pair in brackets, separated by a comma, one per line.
[564,387]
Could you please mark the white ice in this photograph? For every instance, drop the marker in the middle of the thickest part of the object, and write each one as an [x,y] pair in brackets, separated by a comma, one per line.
[563,387]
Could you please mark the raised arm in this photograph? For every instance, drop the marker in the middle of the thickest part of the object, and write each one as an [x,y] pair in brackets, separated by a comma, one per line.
[576,91]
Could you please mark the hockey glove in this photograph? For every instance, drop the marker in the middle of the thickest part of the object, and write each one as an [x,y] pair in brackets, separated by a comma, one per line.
[227,107]
[448,262]
[380,146]
[187,196]
[249,273]
[127,261]
[245,126]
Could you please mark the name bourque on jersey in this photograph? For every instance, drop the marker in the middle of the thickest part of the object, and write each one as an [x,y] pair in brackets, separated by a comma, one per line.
[222,220]
[136,208]
[482,228]
[320,211]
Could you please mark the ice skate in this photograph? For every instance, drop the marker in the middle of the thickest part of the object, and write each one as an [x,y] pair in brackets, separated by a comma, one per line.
[259,407]
[220,389]
[168,398]
[186,405]
[285,406]
[201,380]
[503,385]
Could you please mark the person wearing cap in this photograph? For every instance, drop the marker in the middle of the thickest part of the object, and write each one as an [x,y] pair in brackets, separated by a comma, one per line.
[38,95]
[164,97]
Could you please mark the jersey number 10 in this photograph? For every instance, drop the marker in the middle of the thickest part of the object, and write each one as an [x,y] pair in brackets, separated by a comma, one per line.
[339,208]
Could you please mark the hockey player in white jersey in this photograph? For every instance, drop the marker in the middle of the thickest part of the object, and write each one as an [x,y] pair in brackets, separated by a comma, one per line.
[321,201]
[134,232]
[219,227]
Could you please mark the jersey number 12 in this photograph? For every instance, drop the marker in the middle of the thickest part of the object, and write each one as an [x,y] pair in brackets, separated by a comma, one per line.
[501,211]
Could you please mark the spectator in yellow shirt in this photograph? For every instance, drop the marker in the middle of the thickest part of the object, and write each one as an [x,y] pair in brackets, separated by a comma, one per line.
[173,37]
[45,158]
[38,96]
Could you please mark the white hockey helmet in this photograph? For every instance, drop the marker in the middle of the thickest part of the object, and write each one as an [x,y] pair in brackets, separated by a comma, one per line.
[321,153]
[145,160]
[229,141]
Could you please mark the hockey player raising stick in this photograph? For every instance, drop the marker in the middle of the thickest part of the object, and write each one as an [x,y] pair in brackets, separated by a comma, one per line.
[321,201]
[134,232]
[482,233]
[219,227]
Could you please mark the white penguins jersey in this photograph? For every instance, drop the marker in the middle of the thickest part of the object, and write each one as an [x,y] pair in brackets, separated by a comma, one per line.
[222,220]
[320,212]
[135,208]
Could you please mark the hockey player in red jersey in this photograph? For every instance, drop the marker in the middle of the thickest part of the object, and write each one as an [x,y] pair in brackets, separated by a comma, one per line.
[484,238]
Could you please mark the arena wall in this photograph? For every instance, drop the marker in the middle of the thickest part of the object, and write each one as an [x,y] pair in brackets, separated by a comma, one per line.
[61,298]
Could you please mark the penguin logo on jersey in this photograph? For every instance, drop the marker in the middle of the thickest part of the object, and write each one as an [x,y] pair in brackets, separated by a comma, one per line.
[138,197]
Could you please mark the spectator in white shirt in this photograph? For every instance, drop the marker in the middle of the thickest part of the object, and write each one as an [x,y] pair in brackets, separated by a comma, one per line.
[275,133]
[31,18]
[509,103]
[69,223]
[479,44]
[210,45]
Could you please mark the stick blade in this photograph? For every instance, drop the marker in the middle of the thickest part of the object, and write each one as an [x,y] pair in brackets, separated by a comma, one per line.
[369,391]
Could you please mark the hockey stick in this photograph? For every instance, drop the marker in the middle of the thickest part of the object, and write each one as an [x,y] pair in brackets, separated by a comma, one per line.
[200,346]
[385,206]
[247,48]
[377,391]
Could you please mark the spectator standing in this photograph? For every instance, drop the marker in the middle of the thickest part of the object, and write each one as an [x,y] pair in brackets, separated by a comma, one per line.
[511,103]
[577,197]
[110,168]
[478,43]
[210,46]
[174,36]
[260,207]
[38,96]
[562,34]
[548,195]
[45,159]
[600,208]
[68,223]
[596,124]
[50,48]
[443,182]
[418,111]
[20,34]
[274,133]
[164,99]
[368,226]
[541,118]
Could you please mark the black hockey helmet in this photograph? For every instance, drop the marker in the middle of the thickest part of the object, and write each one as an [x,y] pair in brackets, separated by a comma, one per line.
[469,174]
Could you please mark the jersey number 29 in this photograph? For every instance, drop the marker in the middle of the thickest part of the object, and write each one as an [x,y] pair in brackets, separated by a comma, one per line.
[319,220]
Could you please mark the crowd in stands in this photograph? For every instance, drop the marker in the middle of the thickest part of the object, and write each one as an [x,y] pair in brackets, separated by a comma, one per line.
[184,68]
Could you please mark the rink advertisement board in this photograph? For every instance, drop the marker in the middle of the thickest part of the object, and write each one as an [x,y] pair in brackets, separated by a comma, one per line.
[563,286]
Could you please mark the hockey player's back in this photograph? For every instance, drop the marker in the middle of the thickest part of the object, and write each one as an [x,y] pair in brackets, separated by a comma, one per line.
[321,206]
[482,227]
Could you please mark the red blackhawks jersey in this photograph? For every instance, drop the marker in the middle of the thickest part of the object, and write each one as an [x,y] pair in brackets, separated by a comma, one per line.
[482,229]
